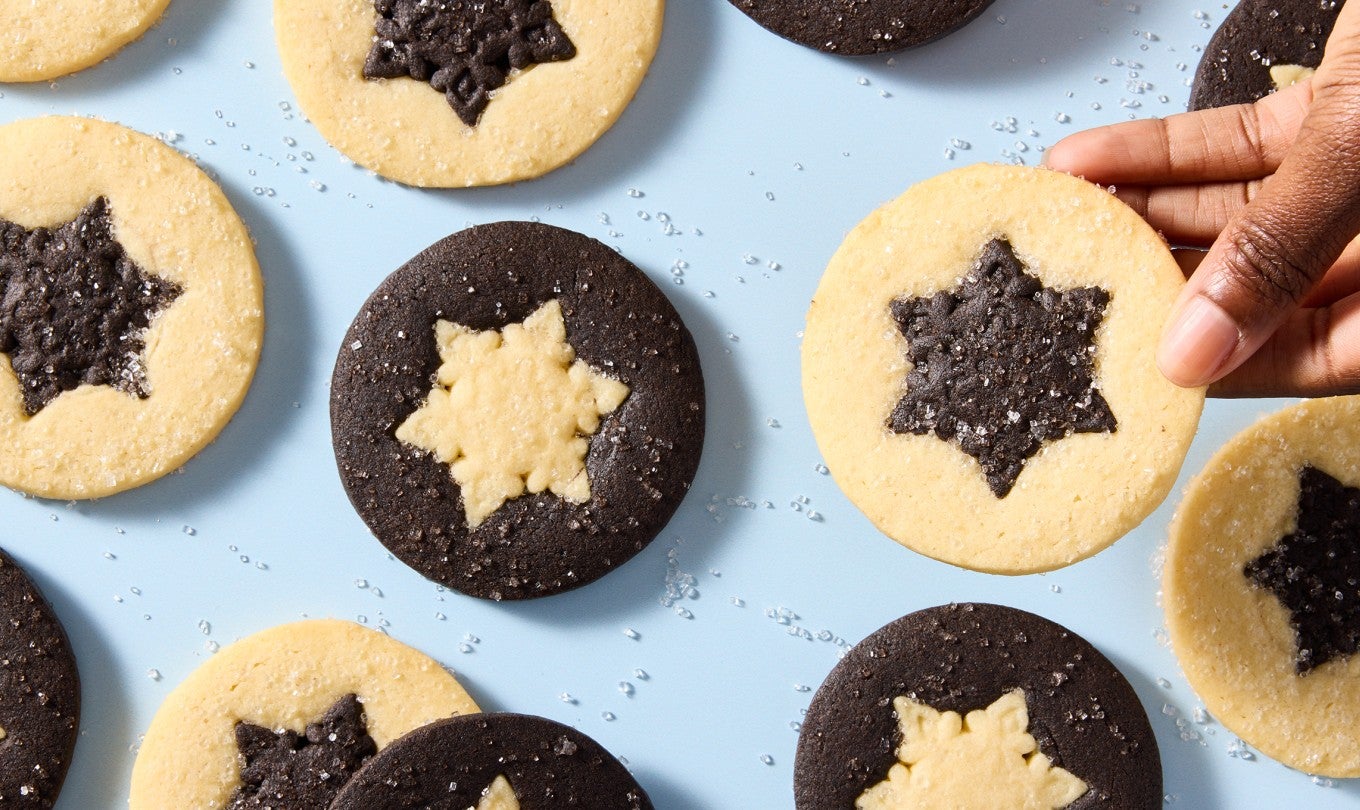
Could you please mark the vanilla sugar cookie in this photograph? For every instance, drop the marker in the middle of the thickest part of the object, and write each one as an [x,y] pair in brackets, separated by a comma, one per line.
[1260,586]
[134,308]
[517,411]
[285,717]
[51,38]
[976,707]
[862,27]
[494,761]
[978,369]
[1262,46]
[465,93]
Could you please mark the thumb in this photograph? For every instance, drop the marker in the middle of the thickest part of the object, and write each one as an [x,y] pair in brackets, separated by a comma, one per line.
[1278,246]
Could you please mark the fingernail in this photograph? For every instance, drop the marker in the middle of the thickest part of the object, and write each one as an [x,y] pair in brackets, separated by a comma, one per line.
[1197,343]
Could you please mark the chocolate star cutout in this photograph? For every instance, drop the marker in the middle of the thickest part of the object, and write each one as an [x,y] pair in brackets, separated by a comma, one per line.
[464,48]
[74,309]
[1001,364]
[1315,572]
[285,769]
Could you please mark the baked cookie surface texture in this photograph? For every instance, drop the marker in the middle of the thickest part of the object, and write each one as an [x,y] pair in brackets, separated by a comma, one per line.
[465,93]
[997,327]
[517,411]
[133,312]
[51,38]
[39,694]
[1262,46]
[494,761]
[1260,587]
[285,717]
[862,27]
[974,707]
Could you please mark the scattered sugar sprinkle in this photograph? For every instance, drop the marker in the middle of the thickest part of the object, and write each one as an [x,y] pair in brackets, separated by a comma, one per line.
[767,759]
[626,688]
[566,697]
[641,675]
[608,717]
[631,633]
[153,674]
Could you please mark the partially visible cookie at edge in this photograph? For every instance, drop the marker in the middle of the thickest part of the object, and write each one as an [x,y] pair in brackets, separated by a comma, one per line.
[1251,53]
[886,728]
[494,760]
[39,694]
[285,716]
[542,81]
[1260,591]
[48,39]
[134,308]
[862,27]
[517,411]
[979,369]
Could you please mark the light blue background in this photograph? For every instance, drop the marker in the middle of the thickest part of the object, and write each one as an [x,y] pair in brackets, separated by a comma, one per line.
[757,152]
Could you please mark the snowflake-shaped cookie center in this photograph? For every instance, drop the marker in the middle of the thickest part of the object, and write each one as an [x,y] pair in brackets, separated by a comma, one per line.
[985,760]
[512,411]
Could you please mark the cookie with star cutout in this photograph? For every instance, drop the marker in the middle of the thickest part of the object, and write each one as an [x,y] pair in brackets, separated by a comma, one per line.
[1262,46]
[1260,586]
[133,309]
[464,93]
[494,761]
[55,37]
[862,27]
[978,369]
[287,716]
[976,706]
[39,694]
[517,411]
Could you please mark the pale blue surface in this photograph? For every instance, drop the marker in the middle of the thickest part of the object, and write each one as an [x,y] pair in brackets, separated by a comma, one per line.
[771,150]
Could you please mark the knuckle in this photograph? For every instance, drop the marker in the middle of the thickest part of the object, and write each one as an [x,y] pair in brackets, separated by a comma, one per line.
[1328,372]
[1263,267]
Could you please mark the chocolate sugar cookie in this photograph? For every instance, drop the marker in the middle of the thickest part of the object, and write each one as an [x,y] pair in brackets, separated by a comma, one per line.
[285,717]
[976,706]
[517,411]
[464,93]
[39,694]
[1262,46]
[494,761]
[861,27]
[978,369]
[1260,587]
[133,310]
[44,40]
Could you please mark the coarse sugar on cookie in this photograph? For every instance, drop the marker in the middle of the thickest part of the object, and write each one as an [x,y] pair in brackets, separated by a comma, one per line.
[288,715]
[1260,586]
[976,706]
[51,38]
[134,308]
[517,411]
[494,761]
[465,93]
[978,369]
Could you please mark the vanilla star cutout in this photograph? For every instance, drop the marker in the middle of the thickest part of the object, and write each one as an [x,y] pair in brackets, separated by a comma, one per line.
[985,760]
[512,411]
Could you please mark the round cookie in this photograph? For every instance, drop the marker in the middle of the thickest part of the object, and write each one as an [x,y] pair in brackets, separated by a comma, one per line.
[134,311]
[1256,37]
[44,40]
[1028,688]
[1260,586]
[470,761]
[862,27]
[39,694]
[978,369]
[535,118]
[505,519]
[301,704]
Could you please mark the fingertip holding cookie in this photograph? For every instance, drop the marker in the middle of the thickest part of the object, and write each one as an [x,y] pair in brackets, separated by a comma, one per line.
[999,324]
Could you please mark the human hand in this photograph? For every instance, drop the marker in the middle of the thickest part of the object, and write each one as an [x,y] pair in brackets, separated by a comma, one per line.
[1273,307]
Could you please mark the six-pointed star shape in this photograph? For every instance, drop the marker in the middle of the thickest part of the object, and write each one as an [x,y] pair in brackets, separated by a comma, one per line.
[1315,571]
[464,48]
[1001,364]
[74,309]
[287,769]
